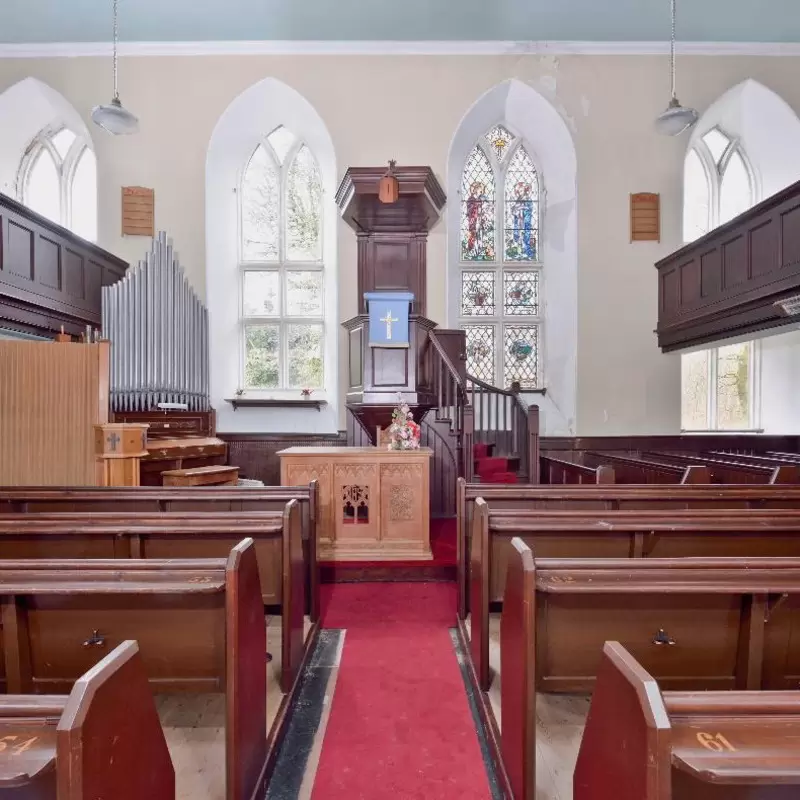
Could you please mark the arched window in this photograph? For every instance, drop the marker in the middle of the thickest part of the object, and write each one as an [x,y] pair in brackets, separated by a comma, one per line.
[718,184]
[58,179]
[499,259]
[281,266]
[718,385]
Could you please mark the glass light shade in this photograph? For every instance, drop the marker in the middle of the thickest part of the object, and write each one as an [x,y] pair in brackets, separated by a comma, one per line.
[115,118]
[676,119]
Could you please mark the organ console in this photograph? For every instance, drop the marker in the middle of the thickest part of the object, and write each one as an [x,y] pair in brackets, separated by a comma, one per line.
[158,328]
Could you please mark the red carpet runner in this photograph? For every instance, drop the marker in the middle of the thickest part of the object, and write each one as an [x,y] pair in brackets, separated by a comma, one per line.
[400,725]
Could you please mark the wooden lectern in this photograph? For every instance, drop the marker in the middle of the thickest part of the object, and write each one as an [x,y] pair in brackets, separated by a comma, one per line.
[119,448]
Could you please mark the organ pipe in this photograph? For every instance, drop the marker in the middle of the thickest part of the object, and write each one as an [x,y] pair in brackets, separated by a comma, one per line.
[158,329]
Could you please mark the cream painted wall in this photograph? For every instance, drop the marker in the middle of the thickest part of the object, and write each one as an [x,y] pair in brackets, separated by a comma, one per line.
[408,108]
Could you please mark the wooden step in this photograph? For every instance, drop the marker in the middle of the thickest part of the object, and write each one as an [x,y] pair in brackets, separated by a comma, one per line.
[201,476]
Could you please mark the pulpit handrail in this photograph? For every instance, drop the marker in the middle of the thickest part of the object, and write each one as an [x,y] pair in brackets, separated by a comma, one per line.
[437,345]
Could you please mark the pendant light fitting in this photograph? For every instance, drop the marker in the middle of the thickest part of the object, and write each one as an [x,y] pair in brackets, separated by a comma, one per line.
[114,117]
[675,119]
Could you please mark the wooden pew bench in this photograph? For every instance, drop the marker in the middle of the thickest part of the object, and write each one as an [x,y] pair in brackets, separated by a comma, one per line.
[59,745]
[31,499]
[201,476]
[277,547]
[694,624]
[653,469]
[199,624]
[728,470]
[644,744]
[619,497]
[558,471]
[634,535]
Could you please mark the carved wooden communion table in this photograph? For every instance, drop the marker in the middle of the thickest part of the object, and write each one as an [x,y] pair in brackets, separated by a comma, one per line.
[374,503]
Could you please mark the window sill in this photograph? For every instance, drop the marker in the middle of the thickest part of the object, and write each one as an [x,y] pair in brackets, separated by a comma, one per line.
[266,402]
[721,432]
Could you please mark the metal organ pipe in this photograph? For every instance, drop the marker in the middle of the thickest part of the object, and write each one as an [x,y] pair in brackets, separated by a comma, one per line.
[158,329]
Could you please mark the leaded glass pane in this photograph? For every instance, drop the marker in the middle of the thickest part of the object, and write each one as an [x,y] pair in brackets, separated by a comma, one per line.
[304,209]
[480,351]
[521,355]
[521,209]
[694,391]
[261,294]
[43,189]
[717,142]
[477,294]
[260,208]
[735,192]
[83,196]
[477,208]
[281,141]
[304,294]
[261,362]
[62,141]
[521,292]
[304,351]
[696,198]
[499,140]
[733,387]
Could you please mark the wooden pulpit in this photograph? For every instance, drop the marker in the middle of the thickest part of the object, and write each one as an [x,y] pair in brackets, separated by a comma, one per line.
[392,242]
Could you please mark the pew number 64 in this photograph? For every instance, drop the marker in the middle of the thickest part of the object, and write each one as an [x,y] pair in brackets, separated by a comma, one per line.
[715,742]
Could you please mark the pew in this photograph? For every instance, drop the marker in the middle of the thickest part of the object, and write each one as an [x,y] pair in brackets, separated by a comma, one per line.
[729,470]
[641,743]
[626,536]
[199,624]
[199,499]
[277,546]
[634,469]
[749,458]
[696,624]
[610,498]
[556,470]
[102,740]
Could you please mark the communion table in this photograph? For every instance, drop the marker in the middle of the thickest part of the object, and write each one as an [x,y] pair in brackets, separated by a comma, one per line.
[373,503]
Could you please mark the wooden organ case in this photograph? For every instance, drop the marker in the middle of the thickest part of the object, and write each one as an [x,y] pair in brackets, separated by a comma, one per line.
[158,329]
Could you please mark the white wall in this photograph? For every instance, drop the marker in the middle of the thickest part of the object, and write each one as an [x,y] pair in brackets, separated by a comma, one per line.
[408,108]
[780,383]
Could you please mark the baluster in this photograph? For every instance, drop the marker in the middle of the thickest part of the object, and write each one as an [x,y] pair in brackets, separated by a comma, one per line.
[440,386]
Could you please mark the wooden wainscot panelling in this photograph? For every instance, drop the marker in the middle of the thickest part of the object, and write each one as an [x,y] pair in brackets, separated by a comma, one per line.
[645,217]
[730,282]
[49,277]
[138,211]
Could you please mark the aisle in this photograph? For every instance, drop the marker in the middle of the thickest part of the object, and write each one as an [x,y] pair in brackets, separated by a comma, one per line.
[400,725]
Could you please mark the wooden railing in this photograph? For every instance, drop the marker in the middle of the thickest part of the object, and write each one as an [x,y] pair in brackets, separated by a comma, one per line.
[557,470]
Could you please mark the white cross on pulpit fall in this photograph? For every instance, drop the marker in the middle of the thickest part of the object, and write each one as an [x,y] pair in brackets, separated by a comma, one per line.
[389,319]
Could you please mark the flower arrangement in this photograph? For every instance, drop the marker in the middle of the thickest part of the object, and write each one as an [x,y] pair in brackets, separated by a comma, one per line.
[403,432]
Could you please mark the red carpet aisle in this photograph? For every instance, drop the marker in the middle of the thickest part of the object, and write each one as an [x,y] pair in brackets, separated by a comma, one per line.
[400,725]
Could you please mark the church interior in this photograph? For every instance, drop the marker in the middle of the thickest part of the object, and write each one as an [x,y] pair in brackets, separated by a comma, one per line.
[370,423]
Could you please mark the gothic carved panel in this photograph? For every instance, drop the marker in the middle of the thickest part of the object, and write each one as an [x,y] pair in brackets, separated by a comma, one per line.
[401,503]
[355,504]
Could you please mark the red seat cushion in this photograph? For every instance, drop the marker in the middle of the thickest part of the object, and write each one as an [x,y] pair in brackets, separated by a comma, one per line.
[480,450]
[486,466]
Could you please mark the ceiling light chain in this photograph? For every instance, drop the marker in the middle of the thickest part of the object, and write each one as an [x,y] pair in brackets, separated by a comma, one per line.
[671,50]
[116,39]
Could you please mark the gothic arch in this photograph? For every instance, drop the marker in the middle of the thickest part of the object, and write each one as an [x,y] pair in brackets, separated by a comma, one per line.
[549,142]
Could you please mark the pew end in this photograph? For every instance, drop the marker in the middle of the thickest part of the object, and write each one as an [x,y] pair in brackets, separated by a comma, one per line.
[246,678]
[518,660]
[109,740]
[627,735]
[479,593]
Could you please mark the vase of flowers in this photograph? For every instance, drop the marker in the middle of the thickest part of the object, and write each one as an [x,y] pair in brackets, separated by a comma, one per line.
[403,432]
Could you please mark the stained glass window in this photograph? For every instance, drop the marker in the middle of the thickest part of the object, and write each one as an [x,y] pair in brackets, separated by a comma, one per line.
[477,294]
[283,298]
[521,292]
[521,209]
[521,352]
[477,208]
[58,179]
[499,139]
[500,228]
[480,352]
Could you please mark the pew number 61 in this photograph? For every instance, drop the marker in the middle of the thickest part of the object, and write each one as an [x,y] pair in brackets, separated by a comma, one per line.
[715,742]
